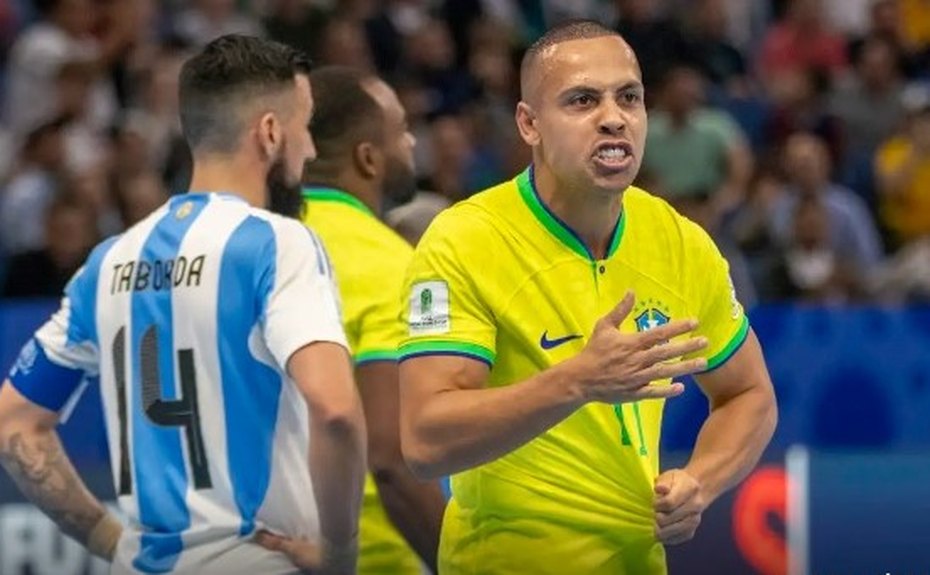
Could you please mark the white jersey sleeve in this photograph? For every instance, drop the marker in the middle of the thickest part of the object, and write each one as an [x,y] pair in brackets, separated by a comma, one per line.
[301,305]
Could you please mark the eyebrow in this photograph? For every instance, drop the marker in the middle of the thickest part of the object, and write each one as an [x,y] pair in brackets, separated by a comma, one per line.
[592,91]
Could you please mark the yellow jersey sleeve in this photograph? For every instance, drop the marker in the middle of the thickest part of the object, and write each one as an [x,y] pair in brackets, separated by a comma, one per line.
[446,311]
[712,297]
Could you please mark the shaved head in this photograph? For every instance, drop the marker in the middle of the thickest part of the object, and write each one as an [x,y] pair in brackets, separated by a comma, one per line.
[530,72]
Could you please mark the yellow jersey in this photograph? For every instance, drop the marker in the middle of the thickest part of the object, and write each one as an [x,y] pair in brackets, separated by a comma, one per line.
[501,279]
[369,260]
[907,213]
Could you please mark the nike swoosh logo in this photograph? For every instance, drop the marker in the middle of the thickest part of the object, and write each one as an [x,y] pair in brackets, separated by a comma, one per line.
[546,343]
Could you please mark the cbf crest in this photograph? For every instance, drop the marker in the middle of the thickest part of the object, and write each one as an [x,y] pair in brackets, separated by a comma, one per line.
[649,314]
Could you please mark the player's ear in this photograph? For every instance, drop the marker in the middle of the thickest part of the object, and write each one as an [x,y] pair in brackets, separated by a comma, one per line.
[270,134]
[368,159]
[526,123]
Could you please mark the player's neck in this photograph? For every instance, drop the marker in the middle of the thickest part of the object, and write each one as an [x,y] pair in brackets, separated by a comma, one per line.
[231,174]
[360,189]
[590,214]
[364,189]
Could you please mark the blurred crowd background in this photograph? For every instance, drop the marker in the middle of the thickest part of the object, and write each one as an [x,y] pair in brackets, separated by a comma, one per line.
[797,132]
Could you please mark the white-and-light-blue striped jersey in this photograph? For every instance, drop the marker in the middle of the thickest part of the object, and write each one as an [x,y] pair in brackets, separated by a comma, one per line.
[187,321]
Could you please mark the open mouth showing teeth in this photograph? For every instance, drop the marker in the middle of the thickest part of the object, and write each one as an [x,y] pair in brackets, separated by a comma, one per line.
[612,153]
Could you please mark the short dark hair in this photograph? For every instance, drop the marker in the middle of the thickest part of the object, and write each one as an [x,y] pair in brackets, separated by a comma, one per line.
[230,72]
[344,114]
[569,30]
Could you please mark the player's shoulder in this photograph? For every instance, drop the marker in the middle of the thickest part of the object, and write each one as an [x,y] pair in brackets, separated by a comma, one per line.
[651,219]
[280,228]
[480,220]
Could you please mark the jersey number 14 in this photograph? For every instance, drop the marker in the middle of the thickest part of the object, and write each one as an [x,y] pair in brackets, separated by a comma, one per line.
[182,412]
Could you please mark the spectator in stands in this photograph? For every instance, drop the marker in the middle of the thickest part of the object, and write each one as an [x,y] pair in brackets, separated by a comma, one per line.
[801,40]
[68,237]
[654,38]
[902,168]
[915,30]
[452,152]
[431,55]
[139,195]
[813,270]
[32,189]
[206,20]
[64,34]
[751,230]
[693,149]
[91,187]
[714,54]
[153,116]
[799,104]
[297,23]
[867,103]
[850,230]
[343,43]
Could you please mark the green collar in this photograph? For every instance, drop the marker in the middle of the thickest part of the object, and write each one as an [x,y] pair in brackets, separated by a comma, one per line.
[323,194]
[556,226]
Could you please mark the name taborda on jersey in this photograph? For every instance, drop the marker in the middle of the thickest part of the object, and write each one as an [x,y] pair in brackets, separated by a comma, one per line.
[141,275]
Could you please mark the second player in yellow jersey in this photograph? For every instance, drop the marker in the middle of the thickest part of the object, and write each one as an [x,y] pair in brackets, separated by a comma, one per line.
[364,153]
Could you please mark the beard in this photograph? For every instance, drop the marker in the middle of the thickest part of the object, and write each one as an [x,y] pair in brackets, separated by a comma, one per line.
[284,193]
[400,182]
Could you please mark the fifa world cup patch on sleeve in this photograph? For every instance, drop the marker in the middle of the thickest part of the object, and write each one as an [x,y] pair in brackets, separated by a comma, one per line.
[429,308]
[736,309]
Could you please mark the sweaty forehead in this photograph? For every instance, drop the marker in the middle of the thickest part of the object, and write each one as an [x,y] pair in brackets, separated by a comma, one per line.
[606,60]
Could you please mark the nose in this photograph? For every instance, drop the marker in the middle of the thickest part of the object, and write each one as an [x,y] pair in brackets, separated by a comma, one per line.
[613,120]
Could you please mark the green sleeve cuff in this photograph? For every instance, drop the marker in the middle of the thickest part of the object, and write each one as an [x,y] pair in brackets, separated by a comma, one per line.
[727,352]
[376,355]
[445,347]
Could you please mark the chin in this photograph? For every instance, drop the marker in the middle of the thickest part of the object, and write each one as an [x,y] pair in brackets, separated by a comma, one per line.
[613,184]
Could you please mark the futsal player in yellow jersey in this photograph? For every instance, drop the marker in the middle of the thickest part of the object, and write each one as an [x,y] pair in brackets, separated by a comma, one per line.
[365,152]
[531,371]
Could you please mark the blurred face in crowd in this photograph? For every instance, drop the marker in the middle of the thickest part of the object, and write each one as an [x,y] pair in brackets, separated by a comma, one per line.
[877,65]
[344,44]
[431,46]
[810,261]
[141,195]
[683,93]
[70,233]
[807,162]
[885,19]
[805,12]
[399,175]
[583,112]
[217,9]
[75,16]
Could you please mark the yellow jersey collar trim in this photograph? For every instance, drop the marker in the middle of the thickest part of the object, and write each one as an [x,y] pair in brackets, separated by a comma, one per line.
[325,194]
[555,226]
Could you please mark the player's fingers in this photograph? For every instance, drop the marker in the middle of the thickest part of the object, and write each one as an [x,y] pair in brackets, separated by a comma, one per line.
[303,553]
[269,541]
[665,482]
[657,335]
[672,370]
[671,509]
[678,532]
[673,350]
[616,316]
[655,391]
[678,515]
